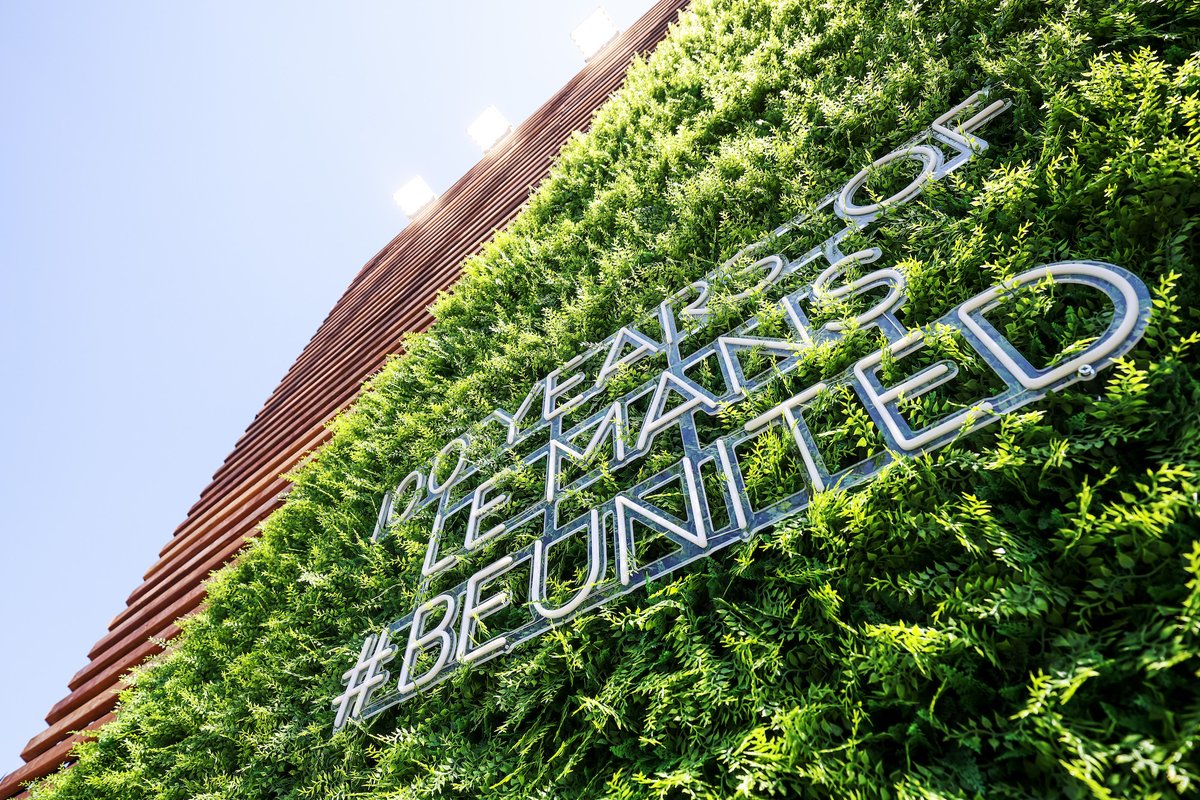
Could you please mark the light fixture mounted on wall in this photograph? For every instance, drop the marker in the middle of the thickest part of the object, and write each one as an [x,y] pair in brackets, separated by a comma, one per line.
[414,196]
[489,128]
[594,33]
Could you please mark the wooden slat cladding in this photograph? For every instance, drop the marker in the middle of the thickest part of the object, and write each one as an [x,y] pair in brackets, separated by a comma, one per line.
[386,300]
[46,763]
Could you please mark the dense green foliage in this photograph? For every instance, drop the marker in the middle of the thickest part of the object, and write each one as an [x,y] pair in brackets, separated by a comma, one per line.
[1014,616]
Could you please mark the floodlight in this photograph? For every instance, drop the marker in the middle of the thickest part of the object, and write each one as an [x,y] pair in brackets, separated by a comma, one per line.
[593,33]
[489,128]
[413,196]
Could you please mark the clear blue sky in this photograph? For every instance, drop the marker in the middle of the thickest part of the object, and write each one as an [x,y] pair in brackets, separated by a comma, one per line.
[185,191]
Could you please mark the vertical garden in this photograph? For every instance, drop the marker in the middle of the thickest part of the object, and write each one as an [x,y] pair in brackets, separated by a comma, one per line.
[1014,615]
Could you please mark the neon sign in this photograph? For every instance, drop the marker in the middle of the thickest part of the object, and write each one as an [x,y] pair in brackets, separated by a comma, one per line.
[572,434]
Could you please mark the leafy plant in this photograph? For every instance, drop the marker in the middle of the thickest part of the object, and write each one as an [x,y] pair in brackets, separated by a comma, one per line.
[1016,615]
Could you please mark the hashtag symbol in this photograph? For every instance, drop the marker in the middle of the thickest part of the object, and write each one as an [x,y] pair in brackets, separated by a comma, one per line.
[363,678]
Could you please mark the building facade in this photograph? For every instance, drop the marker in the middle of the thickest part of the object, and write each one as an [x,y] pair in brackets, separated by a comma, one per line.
[387,300]
[824,425]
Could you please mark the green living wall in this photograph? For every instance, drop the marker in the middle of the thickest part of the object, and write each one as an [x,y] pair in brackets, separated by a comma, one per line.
[1015,615]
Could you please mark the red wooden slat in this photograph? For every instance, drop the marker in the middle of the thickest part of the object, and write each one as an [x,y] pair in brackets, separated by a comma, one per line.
[78,719]
[46,763]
